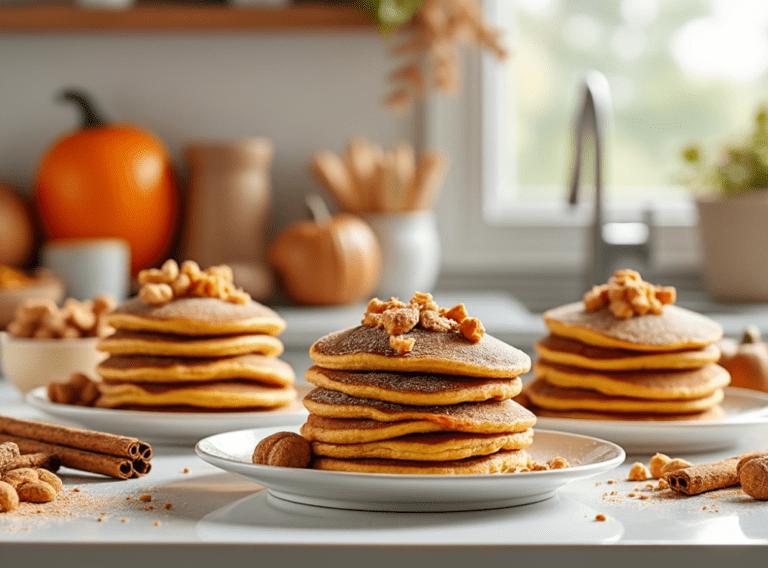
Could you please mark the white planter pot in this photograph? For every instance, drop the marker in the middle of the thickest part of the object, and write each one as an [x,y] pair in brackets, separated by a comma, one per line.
[734,243]
[410,252]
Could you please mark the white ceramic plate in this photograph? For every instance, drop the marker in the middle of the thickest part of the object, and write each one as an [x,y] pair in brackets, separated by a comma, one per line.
[745,412]
[174,428]
[392,492]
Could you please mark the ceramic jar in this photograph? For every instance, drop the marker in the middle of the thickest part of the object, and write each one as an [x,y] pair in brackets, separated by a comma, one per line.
[410,252]
[229,202]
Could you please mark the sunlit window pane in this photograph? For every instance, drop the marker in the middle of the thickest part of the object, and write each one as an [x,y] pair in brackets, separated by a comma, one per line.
[680,71]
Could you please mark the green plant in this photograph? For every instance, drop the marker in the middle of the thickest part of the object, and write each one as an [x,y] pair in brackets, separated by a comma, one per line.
[742,166]
[392,13]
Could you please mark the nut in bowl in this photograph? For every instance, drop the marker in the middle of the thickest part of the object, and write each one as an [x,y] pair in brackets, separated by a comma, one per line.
[45,343]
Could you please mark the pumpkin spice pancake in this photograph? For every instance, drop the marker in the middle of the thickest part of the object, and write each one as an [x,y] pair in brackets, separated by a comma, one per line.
[488,417]
[359,431]
[503,461]
[197,316]
[124,342]
[565,351]
[428,447]
[660,385]
[413,388]
[151,369]
[550,397]
[221,396]
[365,348]
[674,329]
[714,413]
[419,337]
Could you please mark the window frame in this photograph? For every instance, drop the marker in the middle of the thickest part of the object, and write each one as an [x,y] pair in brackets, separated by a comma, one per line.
[481,233]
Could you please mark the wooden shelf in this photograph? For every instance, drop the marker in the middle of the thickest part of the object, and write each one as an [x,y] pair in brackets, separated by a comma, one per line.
[174,18]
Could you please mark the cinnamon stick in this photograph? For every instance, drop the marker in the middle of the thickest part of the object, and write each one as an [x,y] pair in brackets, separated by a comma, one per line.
[705,477]
[141,467]
[40,459]
[112,466]
[89,440]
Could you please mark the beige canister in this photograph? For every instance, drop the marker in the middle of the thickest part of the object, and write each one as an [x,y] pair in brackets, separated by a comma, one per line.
[229,202]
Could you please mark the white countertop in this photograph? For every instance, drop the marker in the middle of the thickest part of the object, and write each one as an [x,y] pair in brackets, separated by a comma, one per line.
[219,519]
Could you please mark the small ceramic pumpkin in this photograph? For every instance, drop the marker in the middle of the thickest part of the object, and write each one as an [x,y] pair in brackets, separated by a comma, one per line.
[746,361]
[330,260]
[109,180]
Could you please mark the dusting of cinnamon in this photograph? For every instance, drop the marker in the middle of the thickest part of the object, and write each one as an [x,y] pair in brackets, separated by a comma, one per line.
[398,318]
[162,285]
[626,294]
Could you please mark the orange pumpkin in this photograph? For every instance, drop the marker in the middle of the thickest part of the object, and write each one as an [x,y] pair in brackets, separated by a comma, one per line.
[17,229]
[328,261]
[747,362]
[109,180]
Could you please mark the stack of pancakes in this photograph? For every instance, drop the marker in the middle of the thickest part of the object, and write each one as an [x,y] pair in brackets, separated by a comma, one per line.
[649,367]
[443,408]
[200,354]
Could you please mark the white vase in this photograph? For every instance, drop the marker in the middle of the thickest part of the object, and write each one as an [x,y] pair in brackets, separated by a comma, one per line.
[734,244]
[410,252]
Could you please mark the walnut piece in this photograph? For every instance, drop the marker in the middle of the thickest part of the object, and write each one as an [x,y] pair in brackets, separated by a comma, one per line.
[638,472]
[658,461]
[162,285]
[400,344]
[626,294]
[79,391]
[42,319]
[283,449]
[398,319]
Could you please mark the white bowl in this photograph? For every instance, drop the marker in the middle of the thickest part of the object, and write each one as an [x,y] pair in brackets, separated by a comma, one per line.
[31,363]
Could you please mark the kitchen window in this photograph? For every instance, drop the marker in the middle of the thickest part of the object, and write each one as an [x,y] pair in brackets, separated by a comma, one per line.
[680,71]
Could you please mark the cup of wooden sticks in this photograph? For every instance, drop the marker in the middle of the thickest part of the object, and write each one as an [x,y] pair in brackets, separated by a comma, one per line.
[393,191]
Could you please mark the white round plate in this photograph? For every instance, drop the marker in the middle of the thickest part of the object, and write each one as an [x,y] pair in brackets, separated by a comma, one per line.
[745,412]
[393,492]
[173,428]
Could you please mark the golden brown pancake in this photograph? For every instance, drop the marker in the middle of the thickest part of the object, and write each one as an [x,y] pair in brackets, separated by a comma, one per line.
[714,413]
[413,388]
[227,395]
[151,369]
[359,431]
[197,316]
[124,342]
[660,385]
[489,417]
[550,397]
[565,351]
[674,329]
[367,349]
[440,446]
[501,462]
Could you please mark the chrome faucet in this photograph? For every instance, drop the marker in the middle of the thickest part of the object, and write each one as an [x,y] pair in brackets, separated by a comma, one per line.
[611,245]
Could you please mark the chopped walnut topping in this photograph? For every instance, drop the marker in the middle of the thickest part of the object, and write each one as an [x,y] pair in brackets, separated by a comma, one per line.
[457,313]
[400,344]
[472,329]
[432,320]
[398,318]
[626,294]
[161,285]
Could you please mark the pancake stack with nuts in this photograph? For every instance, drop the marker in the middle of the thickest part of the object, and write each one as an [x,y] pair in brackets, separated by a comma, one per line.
[627,353]
[417,389]
[191,342]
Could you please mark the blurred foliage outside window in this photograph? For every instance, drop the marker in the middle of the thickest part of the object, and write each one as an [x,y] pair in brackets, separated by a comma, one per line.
[680,71]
